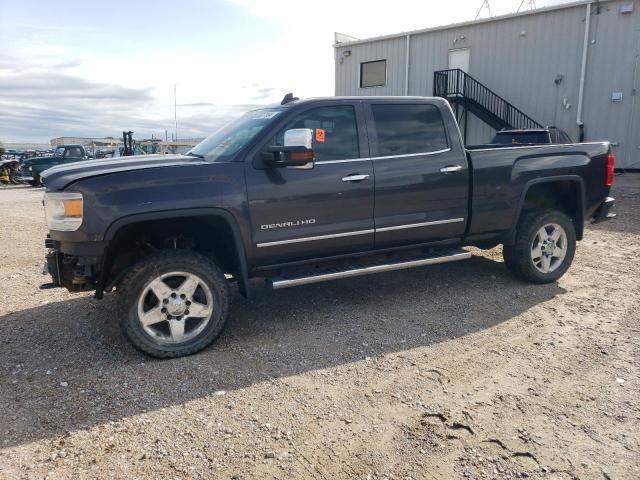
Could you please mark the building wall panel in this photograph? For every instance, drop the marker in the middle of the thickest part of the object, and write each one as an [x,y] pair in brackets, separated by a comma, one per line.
[520,59]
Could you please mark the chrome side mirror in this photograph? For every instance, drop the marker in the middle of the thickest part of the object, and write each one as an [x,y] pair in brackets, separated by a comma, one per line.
[297,151]
[299,137]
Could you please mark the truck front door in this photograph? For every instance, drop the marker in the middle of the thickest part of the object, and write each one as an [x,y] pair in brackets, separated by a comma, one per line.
[299,213]
[422,175]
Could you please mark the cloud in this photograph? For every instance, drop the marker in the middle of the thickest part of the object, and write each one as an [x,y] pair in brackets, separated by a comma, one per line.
[263,93]
[72,73]
[88,120]
[39,102]
[196,104]
[39,85]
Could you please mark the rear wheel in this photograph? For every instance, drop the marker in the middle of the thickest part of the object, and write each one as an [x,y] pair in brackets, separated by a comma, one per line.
[544,247]
[174,303]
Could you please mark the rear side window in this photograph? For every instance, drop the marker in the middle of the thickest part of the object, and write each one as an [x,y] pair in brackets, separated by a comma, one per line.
[406,129]
[335,128]
[73,152]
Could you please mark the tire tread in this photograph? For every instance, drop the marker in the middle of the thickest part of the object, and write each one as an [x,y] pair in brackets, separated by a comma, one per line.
[517,256]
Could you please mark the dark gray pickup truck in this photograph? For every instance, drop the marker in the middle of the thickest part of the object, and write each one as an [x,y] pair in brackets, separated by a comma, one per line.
[308,191]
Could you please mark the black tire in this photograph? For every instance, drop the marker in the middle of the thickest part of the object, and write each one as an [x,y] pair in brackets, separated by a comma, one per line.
[135,283]
[518,258]
[34,183]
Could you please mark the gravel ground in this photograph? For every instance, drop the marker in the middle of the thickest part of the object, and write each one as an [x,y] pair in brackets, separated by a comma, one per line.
[450,371]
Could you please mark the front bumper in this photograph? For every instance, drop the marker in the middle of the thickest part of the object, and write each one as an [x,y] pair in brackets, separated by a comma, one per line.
[25,178]
[75,266]
[604,212]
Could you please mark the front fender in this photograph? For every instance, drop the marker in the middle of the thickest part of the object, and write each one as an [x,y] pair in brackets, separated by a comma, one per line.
[229,219]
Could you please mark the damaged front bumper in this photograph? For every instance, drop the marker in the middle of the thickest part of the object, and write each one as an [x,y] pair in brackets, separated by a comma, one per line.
[74,266]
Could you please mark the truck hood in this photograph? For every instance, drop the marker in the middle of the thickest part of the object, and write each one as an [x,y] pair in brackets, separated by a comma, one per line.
[59,177]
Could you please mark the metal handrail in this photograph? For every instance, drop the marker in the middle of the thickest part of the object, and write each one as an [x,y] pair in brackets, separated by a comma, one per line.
[456,83]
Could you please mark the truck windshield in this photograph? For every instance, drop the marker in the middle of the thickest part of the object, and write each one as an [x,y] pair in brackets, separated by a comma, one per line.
[59,151]
[515,138]
[227,141]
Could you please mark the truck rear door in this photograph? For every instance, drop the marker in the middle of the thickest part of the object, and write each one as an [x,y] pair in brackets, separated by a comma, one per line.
[421,172]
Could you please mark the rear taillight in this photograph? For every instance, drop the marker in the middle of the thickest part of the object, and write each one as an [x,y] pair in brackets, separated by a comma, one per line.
[611,160]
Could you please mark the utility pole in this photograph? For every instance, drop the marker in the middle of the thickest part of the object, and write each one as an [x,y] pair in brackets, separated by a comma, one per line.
[485,6]
[175,110]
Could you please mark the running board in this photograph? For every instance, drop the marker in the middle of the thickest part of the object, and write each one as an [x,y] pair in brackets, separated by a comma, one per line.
[346,272]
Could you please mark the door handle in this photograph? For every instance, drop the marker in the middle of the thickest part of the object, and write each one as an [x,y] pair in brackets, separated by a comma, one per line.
[354,178]
[451,168]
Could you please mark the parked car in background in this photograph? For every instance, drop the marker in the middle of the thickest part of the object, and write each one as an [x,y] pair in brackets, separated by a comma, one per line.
[531,136]
[31,168]
[309,191]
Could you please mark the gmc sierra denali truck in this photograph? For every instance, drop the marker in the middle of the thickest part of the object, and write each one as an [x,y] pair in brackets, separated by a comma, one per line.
[308,191]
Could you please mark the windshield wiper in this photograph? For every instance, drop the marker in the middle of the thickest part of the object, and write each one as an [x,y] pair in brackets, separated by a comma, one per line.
[191,154]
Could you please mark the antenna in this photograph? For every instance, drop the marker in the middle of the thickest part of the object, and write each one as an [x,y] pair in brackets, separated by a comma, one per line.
[485,6]
[527,4]
[288,98]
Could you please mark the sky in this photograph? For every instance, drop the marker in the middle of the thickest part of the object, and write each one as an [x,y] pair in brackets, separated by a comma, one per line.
[96,68]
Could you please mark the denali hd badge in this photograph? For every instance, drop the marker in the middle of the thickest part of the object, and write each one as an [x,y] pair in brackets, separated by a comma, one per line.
[295,223]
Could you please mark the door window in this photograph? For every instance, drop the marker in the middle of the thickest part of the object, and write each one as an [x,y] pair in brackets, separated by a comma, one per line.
[406,129]
[335,132]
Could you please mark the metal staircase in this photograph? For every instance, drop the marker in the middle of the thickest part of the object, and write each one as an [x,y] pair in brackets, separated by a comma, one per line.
[466,94]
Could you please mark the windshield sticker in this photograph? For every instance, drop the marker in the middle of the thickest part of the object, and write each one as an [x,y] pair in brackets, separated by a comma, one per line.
[264,115]
[320,135]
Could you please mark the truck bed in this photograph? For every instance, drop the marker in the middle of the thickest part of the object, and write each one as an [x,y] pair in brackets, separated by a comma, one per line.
[501,176]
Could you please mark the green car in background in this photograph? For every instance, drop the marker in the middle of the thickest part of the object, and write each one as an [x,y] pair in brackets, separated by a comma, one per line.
[31,168]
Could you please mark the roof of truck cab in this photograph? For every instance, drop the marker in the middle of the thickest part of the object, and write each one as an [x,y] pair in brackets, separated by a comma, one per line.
[400,99]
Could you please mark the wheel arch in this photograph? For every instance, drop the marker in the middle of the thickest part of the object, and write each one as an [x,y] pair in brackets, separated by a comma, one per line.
[579,197]
[211,213]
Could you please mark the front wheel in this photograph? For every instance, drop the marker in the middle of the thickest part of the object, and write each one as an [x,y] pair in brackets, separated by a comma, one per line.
[544,247]
[174,303]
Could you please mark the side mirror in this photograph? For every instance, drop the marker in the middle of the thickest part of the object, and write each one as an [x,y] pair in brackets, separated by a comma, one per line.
[297,151]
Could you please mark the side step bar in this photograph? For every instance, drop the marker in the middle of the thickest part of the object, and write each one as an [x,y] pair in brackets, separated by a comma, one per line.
[293,281]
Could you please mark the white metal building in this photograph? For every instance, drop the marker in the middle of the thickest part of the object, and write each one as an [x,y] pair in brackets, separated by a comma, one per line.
[568,65]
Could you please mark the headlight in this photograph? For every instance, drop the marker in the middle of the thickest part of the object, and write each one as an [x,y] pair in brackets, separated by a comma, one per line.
[63,210]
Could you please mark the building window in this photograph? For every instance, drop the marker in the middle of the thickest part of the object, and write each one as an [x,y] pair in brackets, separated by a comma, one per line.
[373,74]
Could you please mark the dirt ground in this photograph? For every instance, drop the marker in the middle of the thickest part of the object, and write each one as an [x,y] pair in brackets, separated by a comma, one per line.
[450,371]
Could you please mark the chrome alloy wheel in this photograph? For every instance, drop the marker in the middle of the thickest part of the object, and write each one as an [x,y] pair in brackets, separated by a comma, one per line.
[175,307]
[549,248]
